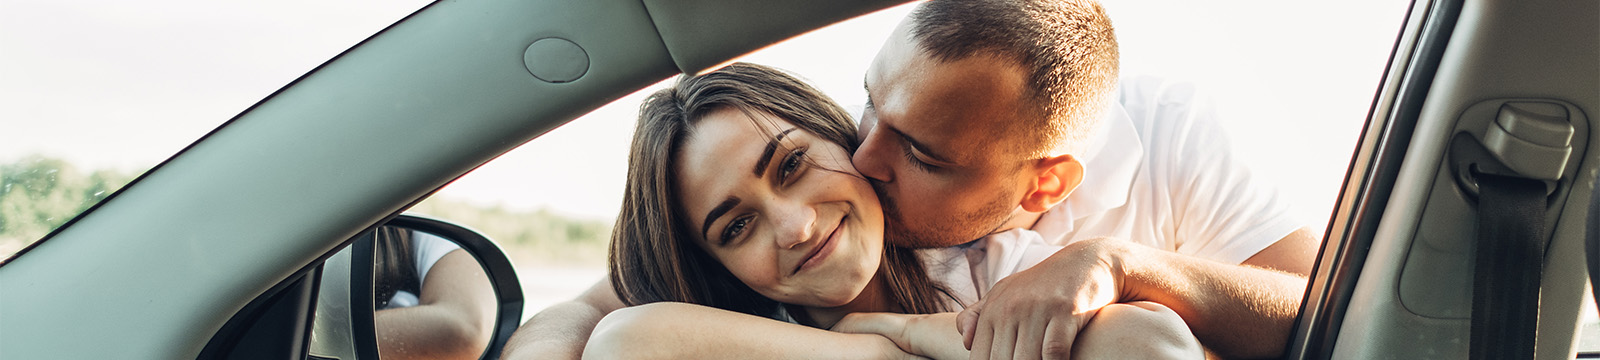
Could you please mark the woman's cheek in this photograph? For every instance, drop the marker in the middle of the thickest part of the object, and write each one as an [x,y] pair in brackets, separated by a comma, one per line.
[755,270]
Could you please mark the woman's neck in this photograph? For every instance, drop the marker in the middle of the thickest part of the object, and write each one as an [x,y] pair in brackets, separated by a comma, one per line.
[874,298]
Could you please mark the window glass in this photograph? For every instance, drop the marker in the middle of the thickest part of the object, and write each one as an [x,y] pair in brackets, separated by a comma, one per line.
[1293,92]
[96,92]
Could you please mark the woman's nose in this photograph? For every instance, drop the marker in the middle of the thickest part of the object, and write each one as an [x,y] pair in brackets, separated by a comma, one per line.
[794,225]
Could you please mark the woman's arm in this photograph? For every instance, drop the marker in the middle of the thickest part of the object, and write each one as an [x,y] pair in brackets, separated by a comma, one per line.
[453,321]
[560,331]
[667,330]
[930,335]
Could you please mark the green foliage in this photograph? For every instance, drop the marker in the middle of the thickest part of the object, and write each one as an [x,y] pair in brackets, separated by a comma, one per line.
[536,237]
[38,194]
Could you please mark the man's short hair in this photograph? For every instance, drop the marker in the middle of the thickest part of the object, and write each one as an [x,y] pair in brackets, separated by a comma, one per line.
[1067,48]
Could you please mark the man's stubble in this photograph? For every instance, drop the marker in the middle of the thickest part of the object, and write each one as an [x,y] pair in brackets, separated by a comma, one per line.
[946,231]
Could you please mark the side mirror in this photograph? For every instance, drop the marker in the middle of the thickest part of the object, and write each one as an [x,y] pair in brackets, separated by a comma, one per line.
[409,290]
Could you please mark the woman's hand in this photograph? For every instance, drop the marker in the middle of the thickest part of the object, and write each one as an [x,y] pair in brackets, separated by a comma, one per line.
[930,335]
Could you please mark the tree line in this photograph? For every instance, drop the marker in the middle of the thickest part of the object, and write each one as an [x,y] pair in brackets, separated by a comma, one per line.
[39,194]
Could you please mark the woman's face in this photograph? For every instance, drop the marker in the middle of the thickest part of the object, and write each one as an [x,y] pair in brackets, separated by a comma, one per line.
[782,209]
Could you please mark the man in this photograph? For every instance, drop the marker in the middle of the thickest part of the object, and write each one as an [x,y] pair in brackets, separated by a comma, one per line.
[978,113]
[987,116]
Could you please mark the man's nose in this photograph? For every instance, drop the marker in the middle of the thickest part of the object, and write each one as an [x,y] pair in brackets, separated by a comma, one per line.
[793,224]
[871,158]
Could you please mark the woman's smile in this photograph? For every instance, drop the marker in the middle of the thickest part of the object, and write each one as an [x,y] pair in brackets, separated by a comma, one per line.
[785,212]
[820,253]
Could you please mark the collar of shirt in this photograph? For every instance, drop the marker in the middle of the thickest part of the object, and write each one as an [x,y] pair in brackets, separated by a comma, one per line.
[1110,162]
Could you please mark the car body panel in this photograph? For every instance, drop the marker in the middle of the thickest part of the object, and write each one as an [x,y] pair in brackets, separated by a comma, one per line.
[157,268]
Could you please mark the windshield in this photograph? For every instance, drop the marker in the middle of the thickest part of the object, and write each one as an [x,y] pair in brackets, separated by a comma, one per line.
[95,93]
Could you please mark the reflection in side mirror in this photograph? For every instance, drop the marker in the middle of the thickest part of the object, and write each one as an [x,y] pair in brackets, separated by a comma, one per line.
[433,290]
[431,299]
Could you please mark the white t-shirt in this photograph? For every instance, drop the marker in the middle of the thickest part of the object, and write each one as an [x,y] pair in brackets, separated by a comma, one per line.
[969,270]
[427,249]
[1160,172]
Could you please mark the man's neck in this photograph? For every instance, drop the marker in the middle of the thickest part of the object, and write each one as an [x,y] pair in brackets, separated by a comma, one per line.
[1021,219]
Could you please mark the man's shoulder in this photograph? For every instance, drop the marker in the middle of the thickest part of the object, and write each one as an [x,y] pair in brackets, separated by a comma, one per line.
[1162,107]
[1176,121]
[1142,91]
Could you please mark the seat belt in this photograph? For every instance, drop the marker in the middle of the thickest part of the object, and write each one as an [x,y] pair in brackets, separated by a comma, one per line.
[1510,263]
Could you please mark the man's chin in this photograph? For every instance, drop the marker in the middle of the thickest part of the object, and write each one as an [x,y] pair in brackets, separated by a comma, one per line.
[898,235]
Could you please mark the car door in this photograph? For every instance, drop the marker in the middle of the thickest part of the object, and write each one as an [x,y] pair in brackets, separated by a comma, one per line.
[1395,279]
[162,264]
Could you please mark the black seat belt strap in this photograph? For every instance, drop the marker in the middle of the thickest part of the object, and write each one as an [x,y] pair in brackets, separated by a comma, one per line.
[1510,263]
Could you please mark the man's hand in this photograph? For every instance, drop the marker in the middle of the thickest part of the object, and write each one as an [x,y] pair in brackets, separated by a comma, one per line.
[931,335]
[1037,313]
[1235,310]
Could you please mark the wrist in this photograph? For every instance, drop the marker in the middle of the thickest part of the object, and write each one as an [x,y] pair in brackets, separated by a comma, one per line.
[1122,261]
[1141,273]
[915,325]
[878,347]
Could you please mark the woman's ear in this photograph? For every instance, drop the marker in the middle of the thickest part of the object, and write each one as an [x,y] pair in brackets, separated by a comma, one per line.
[1057,177]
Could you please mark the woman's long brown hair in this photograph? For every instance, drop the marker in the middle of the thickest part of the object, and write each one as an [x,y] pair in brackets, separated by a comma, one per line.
[654,256]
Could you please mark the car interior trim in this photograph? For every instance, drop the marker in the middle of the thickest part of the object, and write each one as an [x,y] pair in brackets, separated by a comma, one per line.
[1475,66]
[1362,202]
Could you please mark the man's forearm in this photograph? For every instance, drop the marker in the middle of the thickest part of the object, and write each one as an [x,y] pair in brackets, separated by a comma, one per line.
[1237,311]
[558,332]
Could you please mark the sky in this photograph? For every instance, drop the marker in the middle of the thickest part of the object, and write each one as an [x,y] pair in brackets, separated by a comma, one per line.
[114,84]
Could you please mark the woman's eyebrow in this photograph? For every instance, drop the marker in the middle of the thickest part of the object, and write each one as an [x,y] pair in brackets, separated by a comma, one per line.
[760,171]
[716,213]
[766,155]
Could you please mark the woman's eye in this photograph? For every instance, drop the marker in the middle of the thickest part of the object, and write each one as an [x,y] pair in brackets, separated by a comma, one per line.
[734,229]
[792,164]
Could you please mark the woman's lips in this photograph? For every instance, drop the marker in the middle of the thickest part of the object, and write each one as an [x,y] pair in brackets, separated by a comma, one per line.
[821,252]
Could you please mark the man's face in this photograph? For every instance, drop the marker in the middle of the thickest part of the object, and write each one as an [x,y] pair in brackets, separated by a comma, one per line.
[934,146]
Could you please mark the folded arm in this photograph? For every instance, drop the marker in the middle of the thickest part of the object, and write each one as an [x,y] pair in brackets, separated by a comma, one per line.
[1243,310]
[560,331]
[454,320]
[668,330]
[1138,330]
[930,335]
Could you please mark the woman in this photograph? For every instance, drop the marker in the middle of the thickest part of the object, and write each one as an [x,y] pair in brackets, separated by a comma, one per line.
[742,207]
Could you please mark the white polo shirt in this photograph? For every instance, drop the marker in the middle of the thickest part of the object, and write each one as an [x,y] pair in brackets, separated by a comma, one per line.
[1161,173]
[1158,172]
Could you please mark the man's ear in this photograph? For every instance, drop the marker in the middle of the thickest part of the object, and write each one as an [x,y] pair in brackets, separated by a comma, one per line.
[1056,178]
